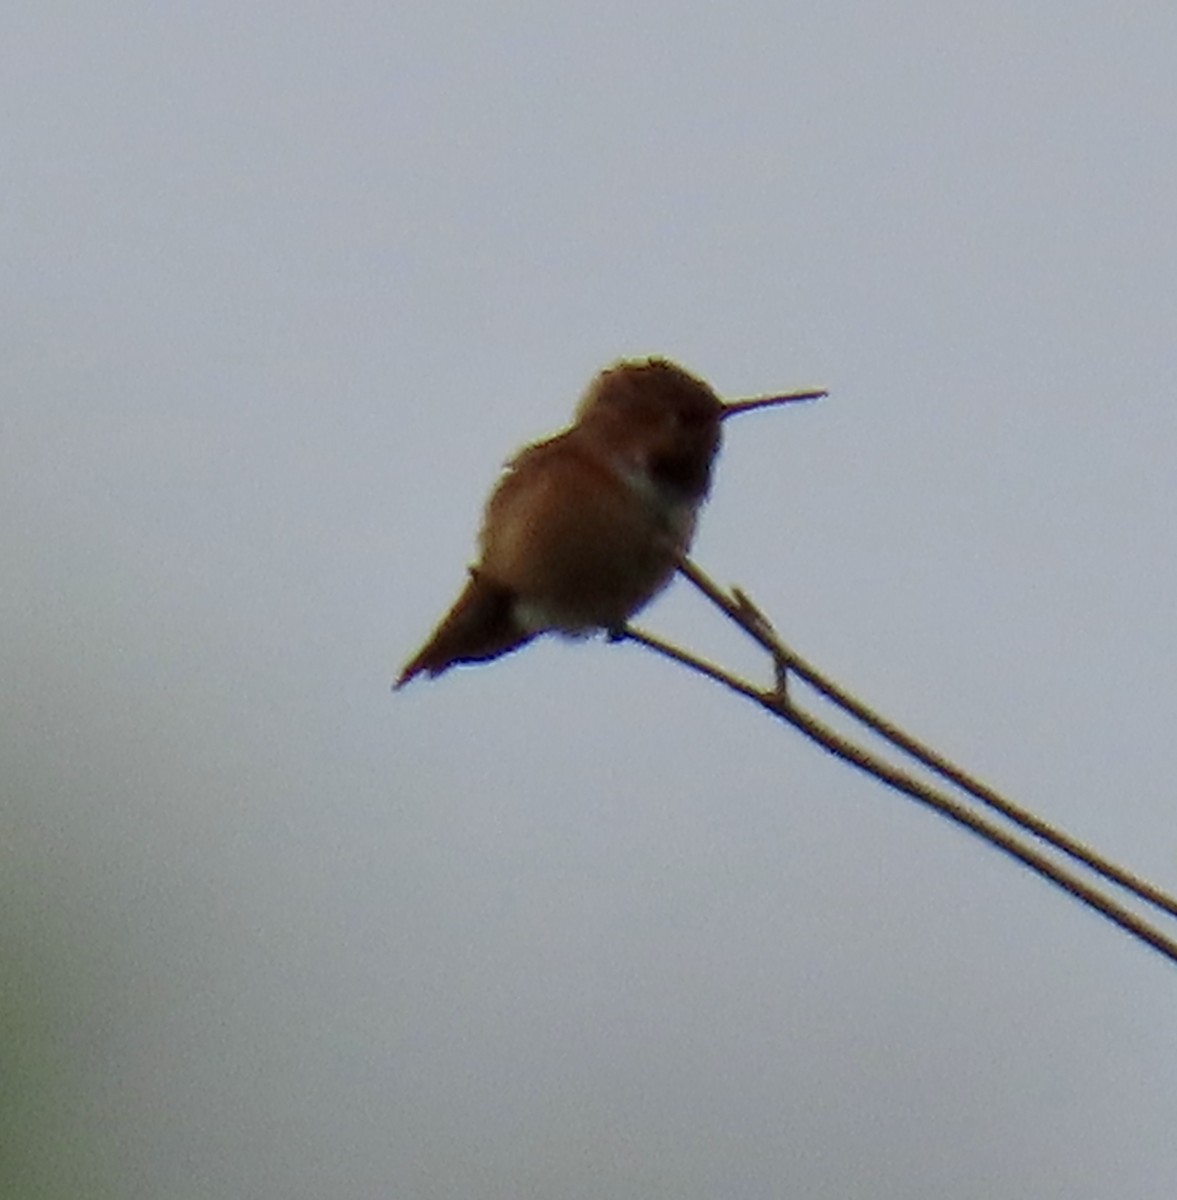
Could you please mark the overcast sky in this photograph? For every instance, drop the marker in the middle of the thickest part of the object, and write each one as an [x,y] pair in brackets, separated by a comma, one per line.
[282,287]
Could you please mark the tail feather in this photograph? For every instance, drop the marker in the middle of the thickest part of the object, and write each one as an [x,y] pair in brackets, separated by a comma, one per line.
[481,625]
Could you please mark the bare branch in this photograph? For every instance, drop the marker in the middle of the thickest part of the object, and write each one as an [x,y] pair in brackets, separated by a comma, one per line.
[750,618]
[738,607]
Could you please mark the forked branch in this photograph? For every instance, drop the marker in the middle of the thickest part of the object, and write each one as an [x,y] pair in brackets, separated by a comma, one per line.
[738,607]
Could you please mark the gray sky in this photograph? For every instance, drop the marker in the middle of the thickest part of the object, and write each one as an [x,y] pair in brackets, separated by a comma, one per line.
[283,285]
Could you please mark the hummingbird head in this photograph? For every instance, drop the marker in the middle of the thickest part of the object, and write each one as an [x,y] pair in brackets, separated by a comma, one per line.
[658,418]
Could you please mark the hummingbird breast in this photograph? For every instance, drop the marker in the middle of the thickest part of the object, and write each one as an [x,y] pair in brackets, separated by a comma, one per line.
[582,540]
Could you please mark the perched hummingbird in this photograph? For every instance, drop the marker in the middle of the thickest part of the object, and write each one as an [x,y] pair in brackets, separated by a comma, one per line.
[587,527]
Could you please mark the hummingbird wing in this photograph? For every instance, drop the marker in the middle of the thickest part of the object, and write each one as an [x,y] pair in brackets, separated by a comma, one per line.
[483,622]
[573,539]
[579,545]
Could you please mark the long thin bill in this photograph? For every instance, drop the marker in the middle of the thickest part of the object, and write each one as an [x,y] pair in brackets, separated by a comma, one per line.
[741,406]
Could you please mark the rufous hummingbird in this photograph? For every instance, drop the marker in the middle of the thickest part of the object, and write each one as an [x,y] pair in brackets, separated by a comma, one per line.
[587,527]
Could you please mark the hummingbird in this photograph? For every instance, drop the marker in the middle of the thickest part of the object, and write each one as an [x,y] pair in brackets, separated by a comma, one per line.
[585,528]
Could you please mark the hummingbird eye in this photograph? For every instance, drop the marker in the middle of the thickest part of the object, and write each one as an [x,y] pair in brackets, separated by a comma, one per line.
[694,418]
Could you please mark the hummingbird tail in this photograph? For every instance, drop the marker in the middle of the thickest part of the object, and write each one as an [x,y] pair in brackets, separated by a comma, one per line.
[481,625]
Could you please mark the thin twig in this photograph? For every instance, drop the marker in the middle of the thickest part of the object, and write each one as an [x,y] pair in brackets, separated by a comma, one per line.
[744,613]
[777,703]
